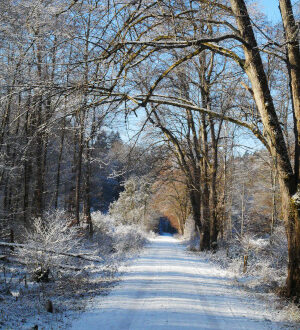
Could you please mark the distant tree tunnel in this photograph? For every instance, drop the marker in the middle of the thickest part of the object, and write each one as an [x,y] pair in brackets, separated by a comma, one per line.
[165,226]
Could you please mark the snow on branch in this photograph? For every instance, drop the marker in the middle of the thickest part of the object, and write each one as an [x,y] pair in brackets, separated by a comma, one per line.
[28,247]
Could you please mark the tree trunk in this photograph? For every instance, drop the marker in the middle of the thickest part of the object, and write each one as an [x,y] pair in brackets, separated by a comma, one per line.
[243,211]
[293,57]
[214,226]
[205,230]
[87,197]
[209,219]
[27,172]
[195,199]
[205,233]
[290,210]
[288,183]
[78,175]
[59,163]
[39,143]
[205,216]
[274,206]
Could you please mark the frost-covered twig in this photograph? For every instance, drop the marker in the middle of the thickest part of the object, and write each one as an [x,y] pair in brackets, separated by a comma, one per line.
[28,247]
[67,267]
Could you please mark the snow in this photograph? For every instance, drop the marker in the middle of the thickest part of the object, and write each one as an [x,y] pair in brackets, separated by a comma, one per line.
[169,288]
[23,301]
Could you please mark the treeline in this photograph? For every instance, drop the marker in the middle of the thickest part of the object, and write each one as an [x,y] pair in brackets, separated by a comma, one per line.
[56,149]
[247,203]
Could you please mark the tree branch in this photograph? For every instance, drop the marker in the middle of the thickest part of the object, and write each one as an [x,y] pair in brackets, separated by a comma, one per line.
[73,255]
[214,114]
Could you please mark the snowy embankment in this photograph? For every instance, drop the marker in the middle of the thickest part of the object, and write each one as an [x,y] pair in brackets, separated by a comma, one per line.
[265,271]
[169,288]
[38,288]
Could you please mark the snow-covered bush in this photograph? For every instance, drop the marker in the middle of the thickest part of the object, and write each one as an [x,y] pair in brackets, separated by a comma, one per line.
[133,203]
[278,242]
[48,237]
[191,235]
[113,236]
[267,259]
[129,237]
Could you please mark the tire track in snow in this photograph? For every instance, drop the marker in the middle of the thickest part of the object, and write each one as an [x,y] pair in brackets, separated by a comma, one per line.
[168,288]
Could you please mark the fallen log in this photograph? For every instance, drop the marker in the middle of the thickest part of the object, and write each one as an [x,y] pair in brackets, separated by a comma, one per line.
[67,254]
[67,267]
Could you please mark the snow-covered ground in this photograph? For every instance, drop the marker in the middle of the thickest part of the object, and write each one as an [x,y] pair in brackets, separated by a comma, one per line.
[169,288]
[73,282]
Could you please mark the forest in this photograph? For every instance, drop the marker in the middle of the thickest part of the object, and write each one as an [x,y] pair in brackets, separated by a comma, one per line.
[116,114]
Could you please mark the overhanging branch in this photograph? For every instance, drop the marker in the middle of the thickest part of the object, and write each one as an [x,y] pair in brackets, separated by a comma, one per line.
[211,113]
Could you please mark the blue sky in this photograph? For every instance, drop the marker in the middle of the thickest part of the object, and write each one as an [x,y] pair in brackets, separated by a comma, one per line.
[270,8]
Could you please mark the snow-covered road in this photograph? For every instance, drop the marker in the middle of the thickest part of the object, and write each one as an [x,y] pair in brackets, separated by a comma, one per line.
[168,288]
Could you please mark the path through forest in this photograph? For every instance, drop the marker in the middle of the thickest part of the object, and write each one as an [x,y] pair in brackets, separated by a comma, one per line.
[169,288]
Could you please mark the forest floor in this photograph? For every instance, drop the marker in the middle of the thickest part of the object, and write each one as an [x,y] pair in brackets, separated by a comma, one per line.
[167,287]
